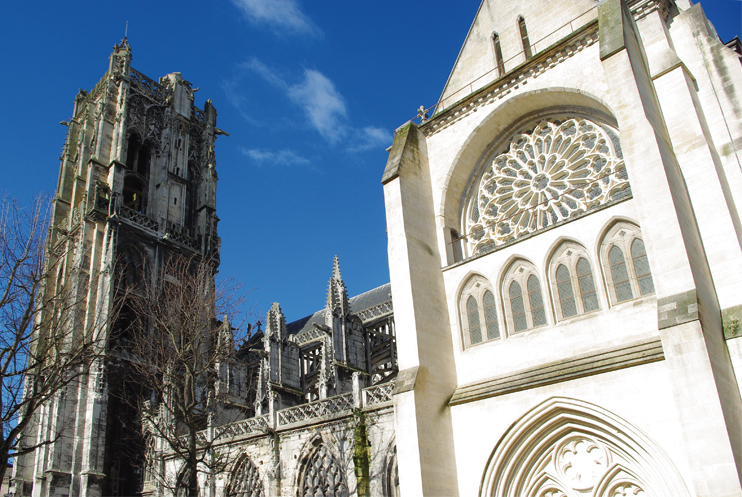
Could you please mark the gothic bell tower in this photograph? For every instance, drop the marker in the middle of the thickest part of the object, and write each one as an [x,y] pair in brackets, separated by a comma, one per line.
[137,183]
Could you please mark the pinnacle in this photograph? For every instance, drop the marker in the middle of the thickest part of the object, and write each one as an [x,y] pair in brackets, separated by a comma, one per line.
[336,268]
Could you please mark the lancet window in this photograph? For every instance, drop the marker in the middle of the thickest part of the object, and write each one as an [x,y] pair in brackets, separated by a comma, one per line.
[323,475]
[245,480]
[499,62]
[572,281]
[524,303]
[478,312]
[524,37]
[625,263]
[546,173]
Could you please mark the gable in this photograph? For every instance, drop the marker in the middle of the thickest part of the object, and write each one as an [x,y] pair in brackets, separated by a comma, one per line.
[546,23]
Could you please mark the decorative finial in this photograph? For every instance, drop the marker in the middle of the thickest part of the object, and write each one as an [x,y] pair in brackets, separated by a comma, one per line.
[422,114]
[126,30]
[336,268]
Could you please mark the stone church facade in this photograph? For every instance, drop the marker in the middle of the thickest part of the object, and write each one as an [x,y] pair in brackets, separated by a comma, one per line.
[565,255]
[564,249]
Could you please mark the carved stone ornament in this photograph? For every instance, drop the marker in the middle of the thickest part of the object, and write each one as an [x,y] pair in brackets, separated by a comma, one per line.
[549,173]
[581,462]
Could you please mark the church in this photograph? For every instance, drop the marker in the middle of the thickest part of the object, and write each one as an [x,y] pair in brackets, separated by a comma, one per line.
[565,254]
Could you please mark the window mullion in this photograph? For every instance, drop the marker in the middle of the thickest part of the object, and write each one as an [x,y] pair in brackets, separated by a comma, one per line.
[576,290]
[527,302]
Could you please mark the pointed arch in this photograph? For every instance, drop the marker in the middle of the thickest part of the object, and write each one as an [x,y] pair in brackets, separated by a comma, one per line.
[478,311]
[245,480]
[624,262]
[522,297]
[563,446]
[391,470]
[321,472]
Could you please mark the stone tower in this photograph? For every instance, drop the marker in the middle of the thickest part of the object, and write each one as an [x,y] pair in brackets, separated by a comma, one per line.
[137,183]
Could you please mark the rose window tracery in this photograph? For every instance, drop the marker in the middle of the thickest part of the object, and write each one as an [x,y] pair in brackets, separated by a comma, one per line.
[549,173]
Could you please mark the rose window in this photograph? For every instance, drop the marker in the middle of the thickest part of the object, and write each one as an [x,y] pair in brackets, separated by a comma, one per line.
[549,173]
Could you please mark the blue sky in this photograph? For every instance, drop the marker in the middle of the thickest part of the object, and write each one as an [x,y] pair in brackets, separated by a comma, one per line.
[310,93]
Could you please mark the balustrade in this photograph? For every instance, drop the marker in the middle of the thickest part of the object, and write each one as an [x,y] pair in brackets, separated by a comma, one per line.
[324,407]
[138,218]
[378,394]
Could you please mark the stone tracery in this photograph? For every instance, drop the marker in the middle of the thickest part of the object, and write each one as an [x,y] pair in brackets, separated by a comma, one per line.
[246,481]
[549,173]
[583,451]
[323,475]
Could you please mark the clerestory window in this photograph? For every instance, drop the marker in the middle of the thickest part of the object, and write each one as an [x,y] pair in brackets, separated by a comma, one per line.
[524,303]
[478,309]
[572,281]
[625,263]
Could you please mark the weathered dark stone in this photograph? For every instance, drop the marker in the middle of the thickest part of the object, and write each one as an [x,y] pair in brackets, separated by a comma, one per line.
[677,309]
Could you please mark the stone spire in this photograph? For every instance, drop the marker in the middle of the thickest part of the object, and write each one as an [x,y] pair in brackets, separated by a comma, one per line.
[337,294]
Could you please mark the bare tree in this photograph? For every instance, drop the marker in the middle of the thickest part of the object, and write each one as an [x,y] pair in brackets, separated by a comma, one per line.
[183,363]
[41,349]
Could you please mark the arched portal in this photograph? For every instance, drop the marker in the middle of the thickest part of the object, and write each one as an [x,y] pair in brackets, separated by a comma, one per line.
[569,448]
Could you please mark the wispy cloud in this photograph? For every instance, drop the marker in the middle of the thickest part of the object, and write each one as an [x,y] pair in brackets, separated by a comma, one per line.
[370,137]
[265,72]
[275,158]
[323,105]
[285,16]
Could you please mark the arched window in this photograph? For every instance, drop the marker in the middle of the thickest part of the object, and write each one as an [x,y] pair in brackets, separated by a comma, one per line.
[392,475]
[524,304]
[625,263]
[572,282]
[620,275]
[478,312]
[641,266]
[245,480]
[565,292]
[499,63]
[524,37]
[322,475]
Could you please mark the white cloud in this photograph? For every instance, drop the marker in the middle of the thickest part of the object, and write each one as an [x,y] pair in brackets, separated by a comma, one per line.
[370,137]
[322,103]
[265,72]
[282,15]
[275,158]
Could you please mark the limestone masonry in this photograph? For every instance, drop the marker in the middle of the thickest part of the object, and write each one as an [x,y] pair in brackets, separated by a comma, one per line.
[565,252]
